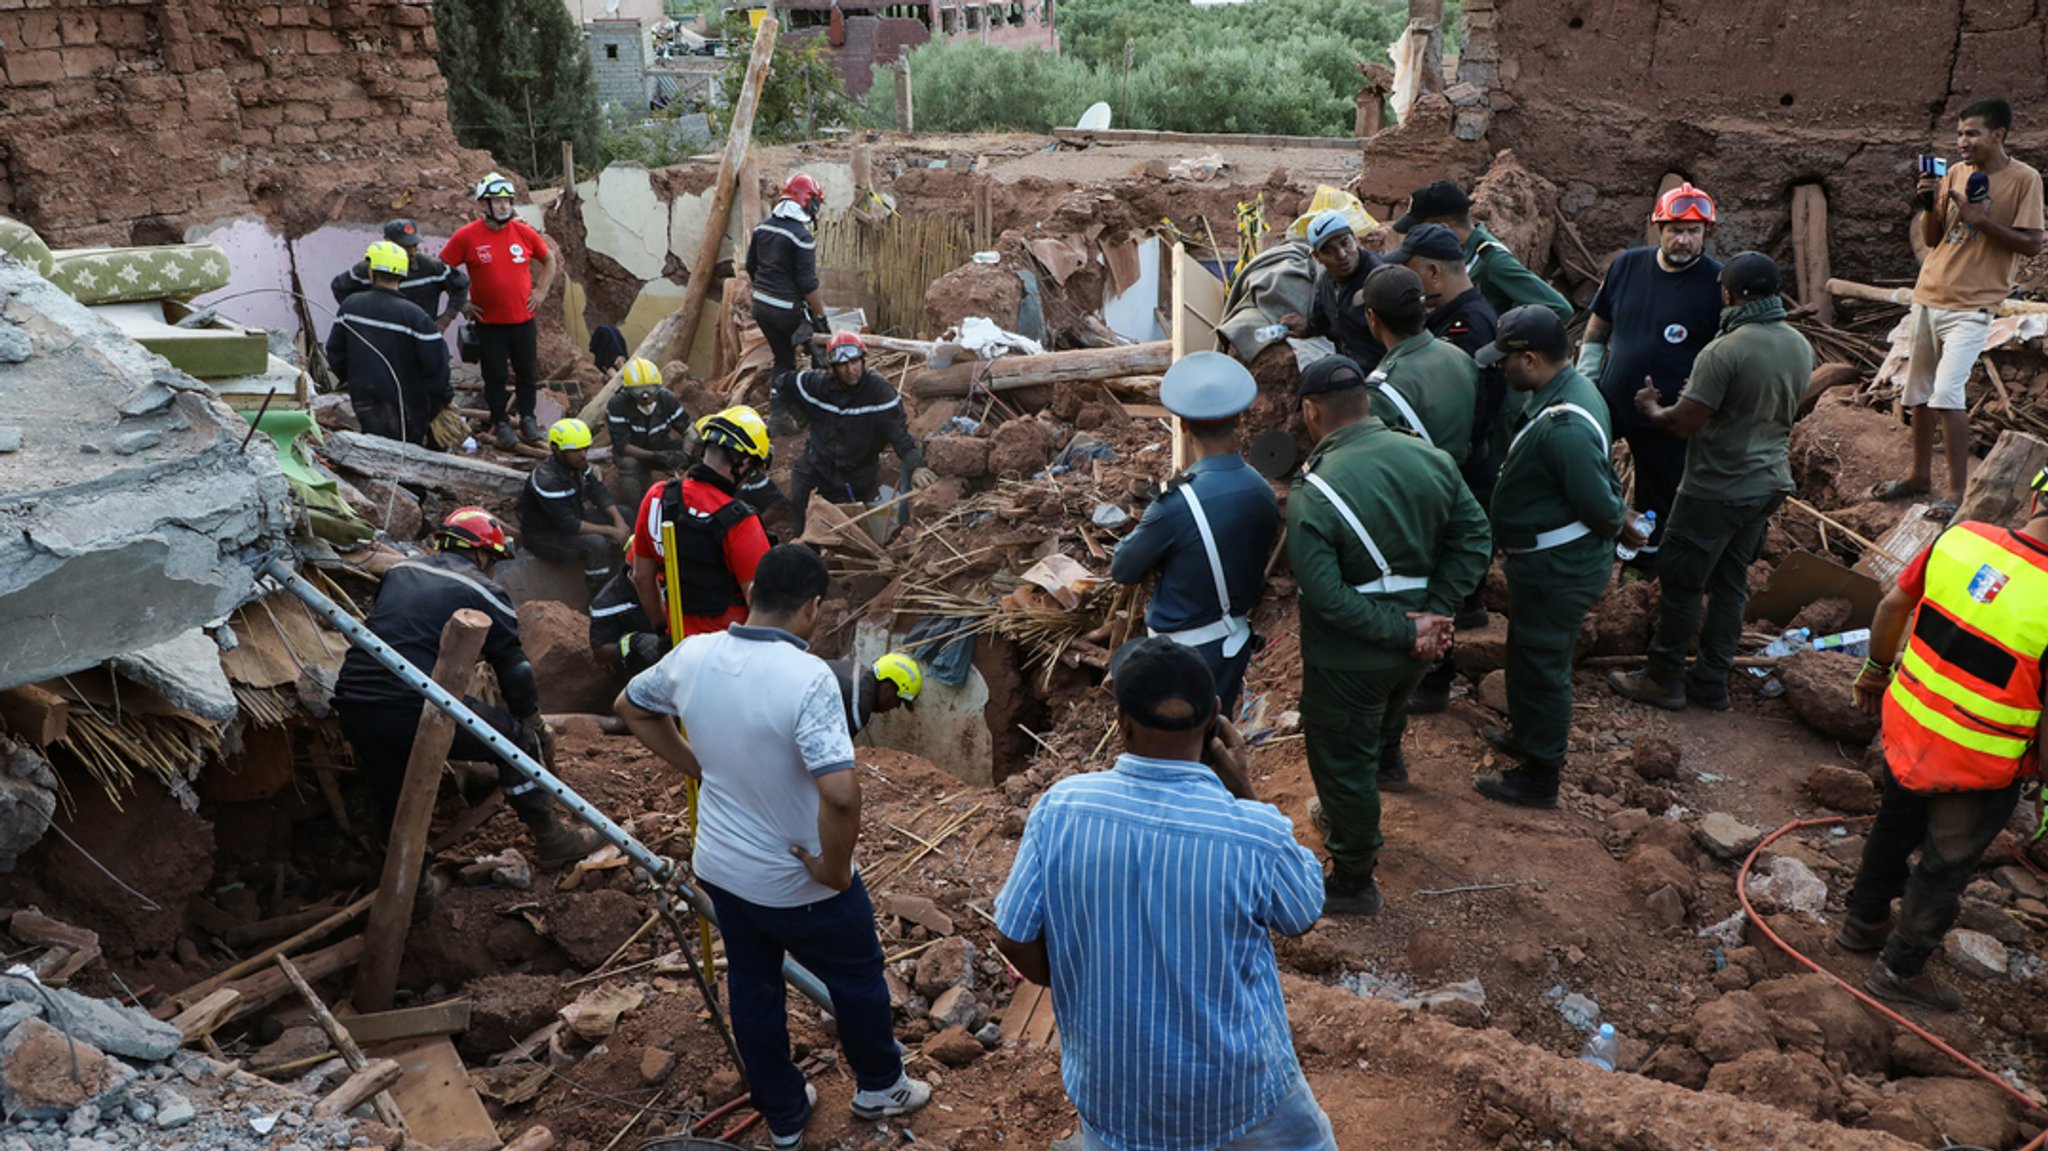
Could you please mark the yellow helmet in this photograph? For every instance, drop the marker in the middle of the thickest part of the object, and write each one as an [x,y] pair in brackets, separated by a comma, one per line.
[569,435]
[739,428]
[640,373]
[388,258]
[902,671]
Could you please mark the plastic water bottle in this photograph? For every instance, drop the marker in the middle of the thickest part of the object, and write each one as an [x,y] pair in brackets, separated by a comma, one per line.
[1794,639]
[1602,1049]
[1270,333]
[1855,641]
[1644,523]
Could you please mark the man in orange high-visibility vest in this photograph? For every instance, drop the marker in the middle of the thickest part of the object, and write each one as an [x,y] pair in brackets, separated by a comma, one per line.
[1963,725]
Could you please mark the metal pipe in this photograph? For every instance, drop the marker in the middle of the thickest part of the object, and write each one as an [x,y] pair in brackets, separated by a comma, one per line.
[663,870]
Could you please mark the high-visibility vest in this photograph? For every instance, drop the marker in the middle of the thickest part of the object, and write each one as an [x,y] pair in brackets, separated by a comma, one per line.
[1963,712]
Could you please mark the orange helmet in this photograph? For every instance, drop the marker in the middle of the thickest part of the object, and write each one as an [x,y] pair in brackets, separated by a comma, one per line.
[476,529]
[846,346]
[1684,203]
[805,191]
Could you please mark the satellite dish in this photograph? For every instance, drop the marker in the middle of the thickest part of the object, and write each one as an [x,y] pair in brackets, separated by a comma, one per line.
[1096,118]
[611,7]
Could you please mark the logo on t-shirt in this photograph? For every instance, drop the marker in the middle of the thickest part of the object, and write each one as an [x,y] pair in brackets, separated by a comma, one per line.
[1675,333]
[482,252]
[519,253]
[1987,583]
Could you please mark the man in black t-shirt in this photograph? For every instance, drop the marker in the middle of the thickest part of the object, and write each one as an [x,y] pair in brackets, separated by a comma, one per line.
[1656,309]
[1338,310]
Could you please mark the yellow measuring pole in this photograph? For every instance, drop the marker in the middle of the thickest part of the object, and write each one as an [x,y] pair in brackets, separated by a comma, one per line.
[675,635]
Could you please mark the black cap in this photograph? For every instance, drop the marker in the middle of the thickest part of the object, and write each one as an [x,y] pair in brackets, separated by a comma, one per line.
[1433,202]
[404,233]
[1749,275]
[1156,671]
[1331,374]
[1431,242]
[1393,290]
[1529,328]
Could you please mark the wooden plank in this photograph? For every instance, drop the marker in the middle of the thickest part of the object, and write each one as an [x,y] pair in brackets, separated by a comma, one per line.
[267,987]
[2000,488]
[1903,297]
[1022,1002]
[1197,296]
[35,713]
[441,1109]
[450,1018]
[1908,538]
[1082,365]
[203,1017]
[1810,249]
[254,963]
[369,1081]
[351,1054]
[1247,140]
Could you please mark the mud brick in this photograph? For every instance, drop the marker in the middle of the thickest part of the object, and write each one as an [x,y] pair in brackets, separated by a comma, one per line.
[351,110]
[253,137]
[338,130]
[418,128]
[209,98]
[304,112]
[295,15]
[408,16]
[320,42]
[294,134]
[430,43]
[44,67]
[39,30]
[78,27]
[150,89]
[267,15]
[264,116]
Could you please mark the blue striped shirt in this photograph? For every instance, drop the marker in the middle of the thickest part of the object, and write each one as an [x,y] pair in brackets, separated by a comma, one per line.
[1155,891]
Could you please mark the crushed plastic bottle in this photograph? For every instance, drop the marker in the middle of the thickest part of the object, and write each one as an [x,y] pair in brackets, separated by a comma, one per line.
[1602,1049]
[1270,333]
[1794,639]
[1646,524]
[1855,641]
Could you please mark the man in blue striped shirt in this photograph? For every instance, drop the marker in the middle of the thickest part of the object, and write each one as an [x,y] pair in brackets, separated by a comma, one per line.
[1145,896]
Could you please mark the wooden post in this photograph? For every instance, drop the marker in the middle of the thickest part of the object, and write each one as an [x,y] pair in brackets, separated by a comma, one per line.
[1998,491]
[1008,372]
[568,171]
[906,119]
[1810,249]
[462,640]
[984,213]
[863,172]
[386,1107]
[372,1080]
[1902,297]
[672,337]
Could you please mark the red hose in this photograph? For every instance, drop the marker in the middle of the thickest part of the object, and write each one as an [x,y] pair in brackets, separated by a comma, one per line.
[1742,894]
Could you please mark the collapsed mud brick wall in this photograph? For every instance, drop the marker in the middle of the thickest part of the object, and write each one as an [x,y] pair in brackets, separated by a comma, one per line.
[1748,100]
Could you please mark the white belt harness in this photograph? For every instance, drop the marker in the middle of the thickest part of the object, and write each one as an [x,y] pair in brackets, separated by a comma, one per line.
[1388,581]
[773,301]
[1577,529]
[1234,630]
[1400,402]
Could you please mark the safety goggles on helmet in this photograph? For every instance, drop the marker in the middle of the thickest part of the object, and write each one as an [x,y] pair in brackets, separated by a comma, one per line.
[569,435]
[845,348]
[476,529]
[1684,203]
[640,373]
[493,186]
[902,671]
[740,429]
[387,258]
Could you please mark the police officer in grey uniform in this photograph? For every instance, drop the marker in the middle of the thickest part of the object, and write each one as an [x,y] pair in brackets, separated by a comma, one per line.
[1209,533]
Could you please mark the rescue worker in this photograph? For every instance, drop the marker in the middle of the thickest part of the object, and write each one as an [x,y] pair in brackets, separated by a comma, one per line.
[380,715]
[386,351]
[1385,540]
[1211,530]
[1557,511]
[426,278]
[622,638]
[1460,316]
[782,266]
[1337,310]
[647,424]
[565,511]
[719,537]
[1657,307]
[1499,275]
[501,254]
[853,414]
[1965,716]
[892,681]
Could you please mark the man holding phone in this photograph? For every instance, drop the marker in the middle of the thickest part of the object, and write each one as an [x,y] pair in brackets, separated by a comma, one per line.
[1979,220]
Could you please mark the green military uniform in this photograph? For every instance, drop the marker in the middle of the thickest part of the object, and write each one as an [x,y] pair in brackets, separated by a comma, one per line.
[1428,386]
[1433,548]
[1556,510]
[1504,281]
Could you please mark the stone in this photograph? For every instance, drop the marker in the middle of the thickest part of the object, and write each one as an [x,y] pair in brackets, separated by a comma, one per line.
[1795,1082]
[1019,449]
[920,911]
[954,1047]
[108,1026]
[1676,1063]
[15,1014]
[1463,1003]
[1808,1012]
[1726,837]
[83,1120]
[949,963]
[1482,650]
[723,1086]
[1968,1112]
[962,456]
[957,1007]
[556,638]
[2021,882]
[1655,758]
[1820,686]
[45,1075]
[1732,1026]
[1977,954]
[1842,788]
[14,345]
[990,1036]
[1666,905]
[10,438]
[1493,690]
[655,1064]
[1651,868]
[140,440]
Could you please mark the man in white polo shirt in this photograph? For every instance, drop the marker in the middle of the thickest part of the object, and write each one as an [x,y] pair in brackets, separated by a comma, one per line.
[778,817]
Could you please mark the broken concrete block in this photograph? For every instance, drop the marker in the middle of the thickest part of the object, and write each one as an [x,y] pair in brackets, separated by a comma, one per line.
[15,1014]
[1975,953]
[950,963]
[185,670]
[173,1110]
[921,911]
[623,219]
[108,1026]
[45,1075]
[14,345]
[10,439]
[151,397]
[141,440]
[957,1007]
[28,799]
[1726,837]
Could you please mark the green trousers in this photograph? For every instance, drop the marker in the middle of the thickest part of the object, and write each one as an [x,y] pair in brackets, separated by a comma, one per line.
[1350,720]
[1549,594]
[1708,547]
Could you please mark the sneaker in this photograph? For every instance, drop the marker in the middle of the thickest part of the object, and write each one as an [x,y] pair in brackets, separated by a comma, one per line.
[1526,785]
[794,1141]
[1317,817]
[529,430]
[1501,739]
[1711,698]
[1922,990]
[1857,935]
[1351,897]
[1394,772]
[507,438]
[1638,687]
[1430,698]
[908,1095]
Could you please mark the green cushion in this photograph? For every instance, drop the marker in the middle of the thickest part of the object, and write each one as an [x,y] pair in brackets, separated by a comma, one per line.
[20,241]
[118,275]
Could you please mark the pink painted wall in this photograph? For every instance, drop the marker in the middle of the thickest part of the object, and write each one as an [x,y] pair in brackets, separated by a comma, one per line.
[260,274]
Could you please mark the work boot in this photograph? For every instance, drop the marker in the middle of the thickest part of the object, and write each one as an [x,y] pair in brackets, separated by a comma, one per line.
[1501,739]
[558,844]
[1430,698]
[529,430]
[1713,698]
[507,439]
[1638,687]
[1922,990]
[1347,894]
[1857,935]
[1528,784]
[1394,771]
[1317,817]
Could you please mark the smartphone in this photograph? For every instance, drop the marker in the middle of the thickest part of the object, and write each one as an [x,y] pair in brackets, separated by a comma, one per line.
[1933,166]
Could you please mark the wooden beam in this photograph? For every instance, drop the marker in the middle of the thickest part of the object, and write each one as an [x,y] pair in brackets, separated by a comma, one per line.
[1240,139]
[1903,297]
[267,987]
[1999,491]
[409,463]
[1810,250]
[462,641]
[205,1016]
[261,959]
[36,714]
[387,1109]
[374,1079]
[450,1018]
[1008,372]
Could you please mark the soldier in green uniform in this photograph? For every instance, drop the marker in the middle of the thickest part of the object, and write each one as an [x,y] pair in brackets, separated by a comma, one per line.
[1385,540]
[1557,510]
[1423,384]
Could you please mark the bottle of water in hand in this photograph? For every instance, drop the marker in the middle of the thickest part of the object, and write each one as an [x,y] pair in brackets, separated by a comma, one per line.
[1602,1049]
[1646,524]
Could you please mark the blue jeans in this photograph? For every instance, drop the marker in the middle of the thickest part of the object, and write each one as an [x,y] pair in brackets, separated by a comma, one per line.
[835,939]
[1297,1124]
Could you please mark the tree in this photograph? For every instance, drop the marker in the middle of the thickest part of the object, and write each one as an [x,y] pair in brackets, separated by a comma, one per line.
[801,95]
[519,81]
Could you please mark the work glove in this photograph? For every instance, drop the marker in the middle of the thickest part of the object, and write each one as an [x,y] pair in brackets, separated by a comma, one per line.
[538,739]
[1591,358]
[923,478]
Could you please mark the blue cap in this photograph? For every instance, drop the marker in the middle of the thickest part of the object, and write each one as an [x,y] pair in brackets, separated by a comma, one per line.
[1207,386]
[1325,227]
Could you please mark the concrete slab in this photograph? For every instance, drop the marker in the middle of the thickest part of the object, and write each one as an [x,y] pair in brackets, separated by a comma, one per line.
[948,726]
[103,554]
[623,219]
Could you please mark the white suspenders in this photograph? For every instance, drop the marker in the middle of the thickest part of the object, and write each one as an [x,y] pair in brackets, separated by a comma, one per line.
[1388,581]
[1379,382]
[1234,630]
[1577,529]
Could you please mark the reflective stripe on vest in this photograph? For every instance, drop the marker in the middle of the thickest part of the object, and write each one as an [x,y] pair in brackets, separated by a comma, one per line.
[1964,710]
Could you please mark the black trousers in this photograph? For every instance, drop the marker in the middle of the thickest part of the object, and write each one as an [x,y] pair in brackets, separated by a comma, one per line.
[806,477]
[381,736]
[1660,465]
[513,346]
[1951,830]
[594,555]
[783,328]
[388,421]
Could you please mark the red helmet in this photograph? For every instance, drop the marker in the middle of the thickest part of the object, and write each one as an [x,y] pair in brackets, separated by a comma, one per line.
[846,346]
[1684,203]
[805,191]
[477,529]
